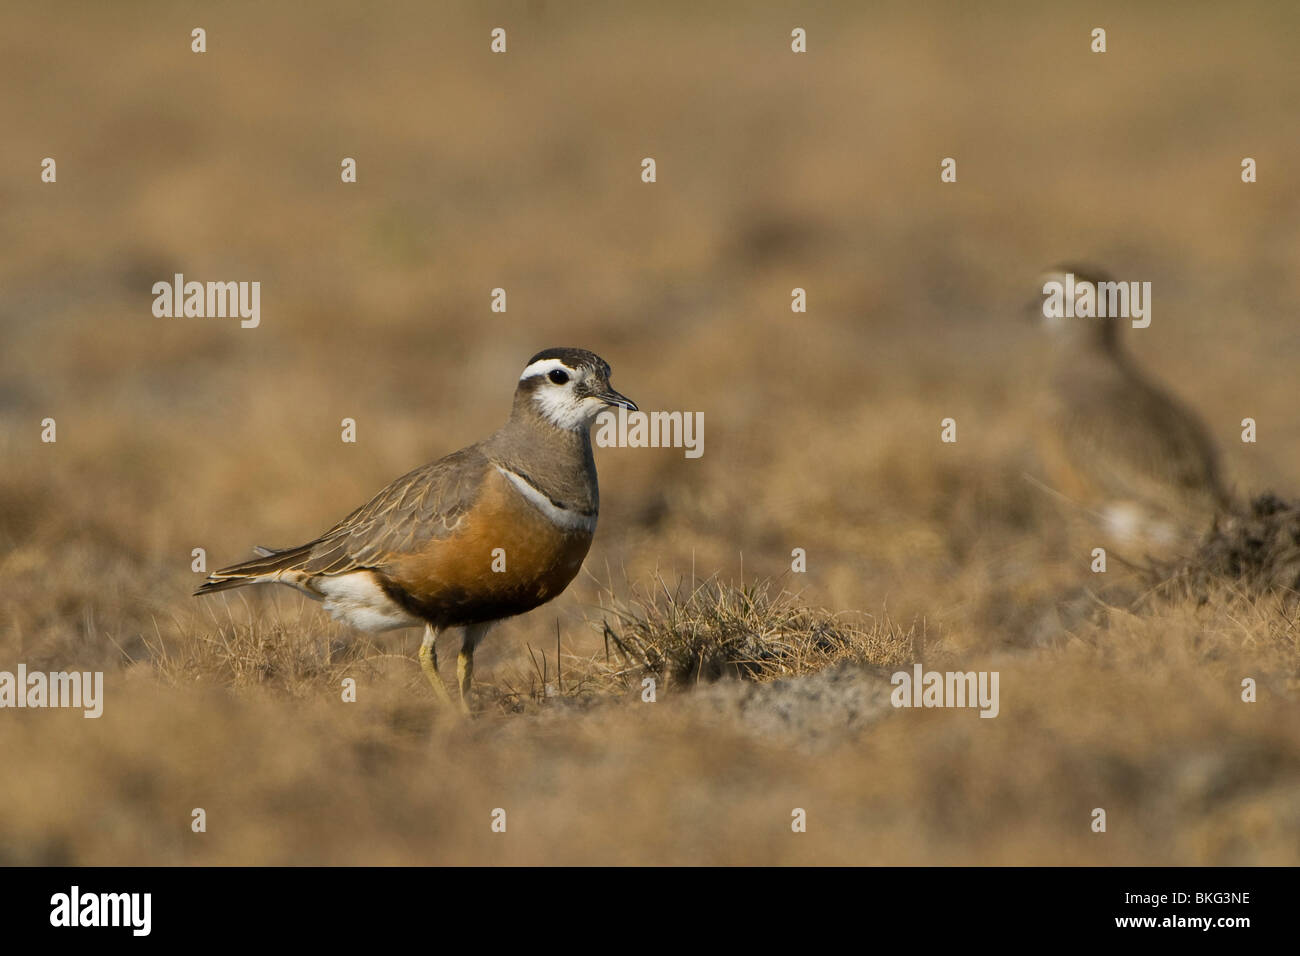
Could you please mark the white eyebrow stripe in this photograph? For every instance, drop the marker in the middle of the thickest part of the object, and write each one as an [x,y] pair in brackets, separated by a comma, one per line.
[542,366]
[562,517]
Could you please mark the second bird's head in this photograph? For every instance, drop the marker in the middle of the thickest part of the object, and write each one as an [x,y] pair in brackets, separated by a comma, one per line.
[567,388]
[1071,330]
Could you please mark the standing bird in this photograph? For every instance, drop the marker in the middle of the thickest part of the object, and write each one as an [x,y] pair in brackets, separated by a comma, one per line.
[488,532]
[1119,445]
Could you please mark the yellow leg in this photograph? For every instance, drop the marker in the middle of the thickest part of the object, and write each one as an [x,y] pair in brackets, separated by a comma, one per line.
[465,662]
[465,676]
[429,664]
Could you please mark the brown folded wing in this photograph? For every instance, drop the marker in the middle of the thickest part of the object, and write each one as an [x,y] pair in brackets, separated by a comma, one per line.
[421,506]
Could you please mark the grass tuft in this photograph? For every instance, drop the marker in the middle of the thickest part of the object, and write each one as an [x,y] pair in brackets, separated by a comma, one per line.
[751,632]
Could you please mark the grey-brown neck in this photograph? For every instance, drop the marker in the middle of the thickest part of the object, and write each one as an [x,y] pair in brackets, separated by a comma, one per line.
[1095,336]
[558,462]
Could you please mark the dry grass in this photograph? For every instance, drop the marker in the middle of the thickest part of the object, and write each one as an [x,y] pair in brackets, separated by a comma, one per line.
[713,630]
[822,428]
[283,655]
[1256,551]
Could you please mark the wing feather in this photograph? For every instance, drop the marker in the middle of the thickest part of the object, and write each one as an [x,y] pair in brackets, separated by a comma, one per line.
[425,504]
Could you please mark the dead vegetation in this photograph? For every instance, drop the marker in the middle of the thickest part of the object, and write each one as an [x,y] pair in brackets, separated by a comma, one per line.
[295,655]
[1257,551]
[707,631]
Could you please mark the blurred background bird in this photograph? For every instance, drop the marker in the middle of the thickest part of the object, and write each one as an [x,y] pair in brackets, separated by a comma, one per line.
[1119,450]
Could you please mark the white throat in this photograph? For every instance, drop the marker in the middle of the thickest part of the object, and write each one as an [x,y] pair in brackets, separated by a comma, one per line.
[563,410]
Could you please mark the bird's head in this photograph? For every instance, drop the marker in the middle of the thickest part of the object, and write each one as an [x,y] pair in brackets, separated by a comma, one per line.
[1062,319]
[568,388]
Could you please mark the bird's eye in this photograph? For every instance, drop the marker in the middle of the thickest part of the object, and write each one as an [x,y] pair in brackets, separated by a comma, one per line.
[558,376]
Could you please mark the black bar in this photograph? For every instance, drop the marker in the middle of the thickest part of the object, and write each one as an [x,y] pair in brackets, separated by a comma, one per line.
[331,905]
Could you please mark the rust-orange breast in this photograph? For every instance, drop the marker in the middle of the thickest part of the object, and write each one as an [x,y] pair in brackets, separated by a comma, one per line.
[464,578]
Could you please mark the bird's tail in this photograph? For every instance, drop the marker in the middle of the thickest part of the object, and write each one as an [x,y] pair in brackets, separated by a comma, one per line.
[269,565]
